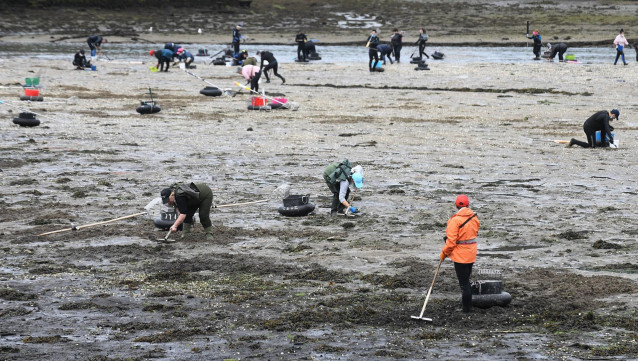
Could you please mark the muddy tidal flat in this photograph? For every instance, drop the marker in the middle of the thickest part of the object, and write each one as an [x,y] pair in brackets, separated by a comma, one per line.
[558,223]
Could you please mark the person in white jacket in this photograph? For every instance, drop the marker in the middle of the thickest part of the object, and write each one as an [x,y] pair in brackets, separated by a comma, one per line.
[620,43]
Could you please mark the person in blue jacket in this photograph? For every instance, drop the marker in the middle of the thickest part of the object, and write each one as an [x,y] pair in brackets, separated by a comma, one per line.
[95,42]
[186,56]
[164,57]
[537,43]
[385,50]
[236,39]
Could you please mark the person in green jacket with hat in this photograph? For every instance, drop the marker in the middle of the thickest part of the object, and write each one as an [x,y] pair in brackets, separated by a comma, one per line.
[188,198]
[338,177]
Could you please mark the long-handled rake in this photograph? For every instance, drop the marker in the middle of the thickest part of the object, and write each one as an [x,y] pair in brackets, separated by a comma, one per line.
[420,316]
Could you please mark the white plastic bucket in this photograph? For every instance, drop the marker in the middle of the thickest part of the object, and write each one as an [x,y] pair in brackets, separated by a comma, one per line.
[182,66]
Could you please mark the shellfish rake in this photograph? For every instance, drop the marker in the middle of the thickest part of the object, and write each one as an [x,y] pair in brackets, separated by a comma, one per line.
[420,316]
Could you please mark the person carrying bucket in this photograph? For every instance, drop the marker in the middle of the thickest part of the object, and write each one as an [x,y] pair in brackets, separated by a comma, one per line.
[371,44]
[620,43]
[423,38]
[252,74]
[163,58]
[272,64]
[597,122]
[188,198]
[338,177]
[95,43]
[460,245]
[537,43]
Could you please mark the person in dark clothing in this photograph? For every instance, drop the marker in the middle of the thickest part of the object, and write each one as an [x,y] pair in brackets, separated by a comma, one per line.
[311,49]
[164,57]
[397,43]
[174,48]
[302,53]
[559,49]
[95,43]
[188,198]
[272,64]
[186,56]
[597,122]
[236,38]
[338,177]
[385,50]
[80,61]
[372,43]
[537,43]
[423,38]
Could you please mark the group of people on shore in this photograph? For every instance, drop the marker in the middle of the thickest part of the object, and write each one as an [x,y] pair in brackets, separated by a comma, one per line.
[172,52]
[620,42]
[376,48]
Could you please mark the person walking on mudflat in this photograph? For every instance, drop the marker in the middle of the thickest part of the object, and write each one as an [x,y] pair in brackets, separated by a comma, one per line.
[397,43]
[537,44]
[597,122]
[272,64]
[371,44]
[188,198]
[460,245]
[423,38]
[620,43]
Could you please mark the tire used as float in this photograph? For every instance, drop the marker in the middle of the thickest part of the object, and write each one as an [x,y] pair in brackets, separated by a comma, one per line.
[33,99]
[296,211]
[438,55]
[489,300]
[165,224]
[275,105]
[148,108]
[260,107]
[380,70]
[211,91]
[26,119]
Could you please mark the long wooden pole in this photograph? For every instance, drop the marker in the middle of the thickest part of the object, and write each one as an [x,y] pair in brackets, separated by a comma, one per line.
[239,204]
[93,224]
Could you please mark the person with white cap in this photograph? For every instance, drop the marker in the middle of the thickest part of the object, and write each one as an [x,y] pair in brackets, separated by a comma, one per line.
[188,198]
[338,177]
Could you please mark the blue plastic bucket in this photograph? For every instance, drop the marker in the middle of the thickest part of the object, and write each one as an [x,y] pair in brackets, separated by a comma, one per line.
[93,67]
[379,64]
[598,136]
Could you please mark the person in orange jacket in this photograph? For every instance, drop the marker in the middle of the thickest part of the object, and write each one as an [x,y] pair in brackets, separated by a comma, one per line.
[460,246]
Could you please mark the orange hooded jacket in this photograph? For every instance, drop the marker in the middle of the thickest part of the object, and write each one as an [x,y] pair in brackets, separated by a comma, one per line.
[460,245]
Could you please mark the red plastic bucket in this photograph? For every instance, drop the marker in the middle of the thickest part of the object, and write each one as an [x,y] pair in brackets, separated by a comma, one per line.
[32,92]
[258,101]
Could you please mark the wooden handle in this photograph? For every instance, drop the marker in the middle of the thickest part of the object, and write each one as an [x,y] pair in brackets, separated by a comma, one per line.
[240,204]
[93,224]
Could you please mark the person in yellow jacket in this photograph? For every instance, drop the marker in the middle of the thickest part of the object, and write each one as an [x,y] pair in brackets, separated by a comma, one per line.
[460,246]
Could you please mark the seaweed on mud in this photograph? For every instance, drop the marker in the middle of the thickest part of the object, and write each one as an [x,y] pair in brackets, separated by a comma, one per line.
[23,182]
[572,235]
[8,349]
[14,295]
[600,244]
[618,267]
[158,307]
[45,339]
[325,348]
[14,312]
[320,273]
[85,305]
[170,335]
[163,293]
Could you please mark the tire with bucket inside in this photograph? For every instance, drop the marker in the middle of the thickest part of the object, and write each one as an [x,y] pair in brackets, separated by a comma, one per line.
[26,119]
[296,211]
[33,99]
[148,108]
[259,107]
[211,91]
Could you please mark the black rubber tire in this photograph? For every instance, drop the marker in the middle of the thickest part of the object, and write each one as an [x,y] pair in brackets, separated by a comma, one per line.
[486,301]
[257,107]
[165,224]
[491,287]
[219,62]
[33,99]
[379,70]
[211,91]
[296,211]
[26,122]
[148,109]
[314,58]
[275,105]
[421,68]
[438,56]
[301,61]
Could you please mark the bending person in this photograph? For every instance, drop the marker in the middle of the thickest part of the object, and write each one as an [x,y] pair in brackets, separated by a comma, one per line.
[597,122]
[188,198]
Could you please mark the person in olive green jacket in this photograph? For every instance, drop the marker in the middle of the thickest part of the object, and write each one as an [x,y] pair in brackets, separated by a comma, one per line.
[188,198]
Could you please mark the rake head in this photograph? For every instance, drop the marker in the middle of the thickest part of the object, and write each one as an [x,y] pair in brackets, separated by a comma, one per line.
[421,318]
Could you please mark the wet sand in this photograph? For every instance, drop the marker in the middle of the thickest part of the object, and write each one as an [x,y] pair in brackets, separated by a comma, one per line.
[559,223]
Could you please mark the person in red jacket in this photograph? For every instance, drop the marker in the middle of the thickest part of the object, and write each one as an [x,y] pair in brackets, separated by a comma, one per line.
[460,246]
